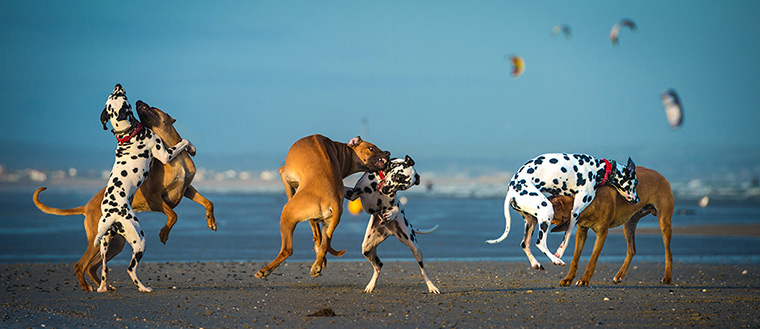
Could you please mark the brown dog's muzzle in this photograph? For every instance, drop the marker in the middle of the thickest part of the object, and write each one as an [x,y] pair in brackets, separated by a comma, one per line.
[379,161]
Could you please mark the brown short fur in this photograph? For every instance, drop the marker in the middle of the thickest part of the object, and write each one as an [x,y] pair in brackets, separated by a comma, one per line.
[162,191]
[313,178]
[609,210]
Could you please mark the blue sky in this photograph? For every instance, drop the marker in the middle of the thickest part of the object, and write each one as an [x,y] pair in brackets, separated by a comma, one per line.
[429,77]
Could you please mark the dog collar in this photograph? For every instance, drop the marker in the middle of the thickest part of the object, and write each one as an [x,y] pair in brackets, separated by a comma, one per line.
[125,139]
[381,183]
[607,172]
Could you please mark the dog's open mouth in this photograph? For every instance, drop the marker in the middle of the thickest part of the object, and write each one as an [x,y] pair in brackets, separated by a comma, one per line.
[381,163]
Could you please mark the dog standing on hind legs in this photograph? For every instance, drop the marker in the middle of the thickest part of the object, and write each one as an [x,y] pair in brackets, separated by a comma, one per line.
[561,174]
[162,191]
[137,146]
[378,195]
[609,210]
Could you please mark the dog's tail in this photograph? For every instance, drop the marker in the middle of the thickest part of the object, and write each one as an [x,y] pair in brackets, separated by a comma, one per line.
[54,211]
[422,231]
[508,222]
[334,252]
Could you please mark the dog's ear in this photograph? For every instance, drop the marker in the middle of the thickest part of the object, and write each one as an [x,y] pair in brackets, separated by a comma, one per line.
[631,167]
[354,141]
[104,118]
[409,161]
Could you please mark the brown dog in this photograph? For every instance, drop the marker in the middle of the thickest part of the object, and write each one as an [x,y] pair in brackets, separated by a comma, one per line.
[162,191]
[313,178]
[609,210]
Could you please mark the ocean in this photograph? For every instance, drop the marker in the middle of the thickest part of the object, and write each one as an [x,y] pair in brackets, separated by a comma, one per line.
[248,230]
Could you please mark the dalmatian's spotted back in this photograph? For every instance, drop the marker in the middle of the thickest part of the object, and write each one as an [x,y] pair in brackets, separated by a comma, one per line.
[378,196]
[561,174]
[137,146]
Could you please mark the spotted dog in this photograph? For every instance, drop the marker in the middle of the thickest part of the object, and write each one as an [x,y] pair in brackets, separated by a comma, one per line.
[378,195]
[561,174]
[137,146]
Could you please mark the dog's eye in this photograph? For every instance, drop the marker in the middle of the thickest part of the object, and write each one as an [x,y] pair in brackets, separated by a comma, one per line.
[372,149]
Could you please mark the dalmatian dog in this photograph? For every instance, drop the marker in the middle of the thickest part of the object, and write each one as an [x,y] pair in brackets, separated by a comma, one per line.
[377,191]
[137,146]
[561,174]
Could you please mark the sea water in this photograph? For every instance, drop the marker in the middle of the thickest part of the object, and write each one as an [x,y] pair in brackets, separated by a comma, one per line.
[248,230]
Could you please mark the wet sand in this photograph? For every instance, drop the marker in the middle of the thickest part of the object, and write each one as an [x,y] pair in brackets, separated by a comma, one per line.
[474,294]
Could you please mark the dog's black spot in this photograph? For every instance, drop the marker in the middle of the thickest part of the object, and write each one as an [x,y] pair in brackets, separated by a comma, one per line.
[563,169]
[580,180]
[421,265]
[543,204]
[555,181]
[544,226]
[134,170]
[553,161]
[530,170]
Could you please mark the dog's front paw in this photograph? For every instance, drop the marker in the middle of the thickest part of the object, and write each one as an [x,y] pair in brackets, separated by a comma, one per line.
[582,283]
[565,282]
[538,267]
[559,262]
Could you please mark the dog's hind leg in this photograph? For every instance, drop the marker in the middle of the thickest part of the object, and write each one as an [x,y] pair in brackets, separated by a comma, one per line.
[544,215]
[104,241]
[192,194]
[325,245]
[530,225]
[135,237]
[406,236]
[665,216]
[298,209]
[93,263]
[85,265]
[376,233]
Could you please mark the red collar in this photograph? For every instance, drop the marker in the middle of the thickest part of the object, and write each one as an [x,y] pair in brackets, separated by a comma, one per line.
[381,183]
[125,139]
[607,171]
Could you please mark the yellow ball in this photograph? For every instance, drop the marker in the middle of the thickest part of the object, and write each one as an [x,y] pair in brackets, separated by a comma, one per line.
[355,207]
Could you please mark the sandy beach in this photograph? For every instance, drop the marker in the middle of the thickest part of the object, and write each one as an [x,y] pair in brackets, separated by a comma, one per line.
[474,294]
